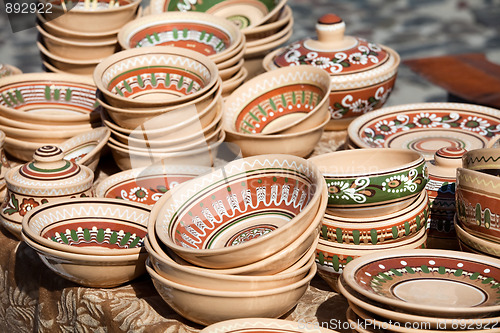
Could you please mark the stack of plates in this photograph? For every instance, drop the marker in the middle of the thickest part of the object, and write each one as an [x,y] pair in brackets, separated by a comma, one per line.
[420,290]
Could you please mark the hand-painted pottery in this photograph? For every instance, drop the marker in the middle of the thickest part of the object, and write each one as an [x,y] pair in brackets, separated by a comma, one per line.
[48,98]
[434,282]
[287,100]
[270,39]
[191,303]
[426,127]
[8,70]
[472,243]
[388,228]
[155,76]
[48,178]
[258,325]
[241,213]
[268,29]
[93,17]
[93,226]
[85,149]
[486,160]
[244,14]
[91,270]
[478,203]
[68,65]
[371,182]
[362,73]
[147,185]
[332,258]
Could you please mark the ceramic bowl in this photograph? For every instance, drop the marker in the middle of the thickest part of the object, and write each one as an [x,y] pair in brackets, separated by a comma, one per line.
[372,182]
[192,303]
[268,29]
[486,160]
[146,185]
[254,325]
[77,49]
[231,84]
[282,32]
[287,100]
[46,98]
[229,72]
[77,34]
[94,17]
[389,228]
[85,149]
[155,76]
[47,127]
[40,135]
[278,206]
[68,65]
[471,243]
[413,279]
[22,150]
[92,226]
[299,144]
[362,73]
[207,34]
[90,270]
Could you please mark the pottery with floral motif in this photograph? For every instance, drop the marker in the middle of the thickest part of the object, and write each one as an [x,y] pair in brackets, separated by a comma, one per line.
[362,73]
[48,178]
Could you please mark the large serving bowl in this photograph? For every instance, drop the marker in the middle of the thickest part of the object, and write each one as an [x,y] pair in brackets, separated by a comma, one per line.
[272,200]
[206,307]
[154,76]
[287,100]
[86,148]
[371,182]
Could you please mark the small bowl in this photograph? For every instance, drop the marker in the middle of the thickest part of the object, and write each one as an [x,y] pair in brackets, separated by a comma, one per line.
[91,226]
[486,160]
[283,31]
[372,182]
[476,244]
[85,149]
[268,29]
[219,239]
[231,84]
[67,65]
[288,100]
[155,77]
[90,270]
[78,34]
[206,307]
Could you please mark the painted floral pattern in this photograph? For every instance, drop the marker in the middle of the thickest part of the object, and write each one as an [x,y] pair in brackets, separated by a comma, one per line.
[12,205]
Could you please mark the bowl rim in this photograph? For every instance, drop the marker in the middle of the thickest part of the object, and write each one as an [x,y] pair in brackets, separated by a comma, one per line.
[70,42]
[101,142]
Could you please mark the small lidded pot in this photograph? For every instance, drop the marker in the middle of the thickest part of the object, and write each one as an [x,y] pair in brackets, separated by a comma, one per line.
[441,190]
[48,178]
[362,73]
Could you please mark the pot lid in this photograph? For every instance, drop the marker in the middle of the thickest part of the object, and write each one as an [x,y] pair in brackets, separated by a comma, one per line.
[445,163]
[49,170]
[333,51]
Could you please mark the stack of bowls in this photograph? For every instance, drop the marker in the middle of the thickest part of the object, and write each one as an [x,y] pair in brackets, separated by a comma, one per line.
[478,202]
[417,291]
[240,241]
[377,201]
[40,108]
[95,242]
[212,36]
[283,111]
[75,39]
[160,102]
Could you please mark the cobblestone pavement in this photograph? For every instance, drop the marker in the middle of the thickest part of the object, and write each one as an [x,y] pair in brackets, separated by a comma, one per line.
[415,28]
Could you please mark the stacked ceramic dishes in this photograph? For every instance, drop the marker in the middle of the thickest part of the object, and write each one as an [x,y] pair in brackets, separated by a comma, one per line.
[283,111]
[238,242]
[160,102]
[207,34]
[376,202]
[362,73]
[42,108]
[478,202]
[95,242]
[415,291]
[75,36]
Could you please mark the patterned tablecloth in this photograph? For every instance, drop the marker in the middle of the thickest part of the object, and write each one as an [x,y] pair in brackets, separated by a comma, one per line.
[33,298]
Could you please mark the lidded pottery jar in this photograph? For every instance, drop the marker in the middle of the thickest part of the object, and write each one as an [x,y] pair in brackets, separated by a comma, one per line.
[48,178]
[441,190]
[362,73]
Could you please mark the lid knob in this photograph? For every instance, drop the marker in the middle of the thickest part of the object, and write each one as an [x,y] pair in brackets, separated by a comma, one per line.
[49,157]
[330,29]
[449,157]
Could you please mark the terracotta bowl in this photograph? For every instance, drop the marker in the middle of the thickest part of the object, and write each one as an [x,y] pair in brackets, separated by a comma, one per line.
[90,270]
[41,135]
[268,29]
[288,100]
[77,49]
[371,182]
[218,239]
[383,229]
[207,34]
[68,65]
[486,160]
[23,150]
[53,99]
[478,203]
[4,121]
[203,108]
[86,148]
[234,82]
[146,185]
[471,243]
[282,32]
[260,51]
[78,34]
[229,72]
[192,303]
[300,144]
[83,18]
[92,226]
[155,76]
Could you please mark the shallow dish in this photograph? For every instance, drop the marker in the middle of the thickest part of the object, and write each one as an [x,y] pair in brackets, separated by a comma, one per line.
[85,149]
